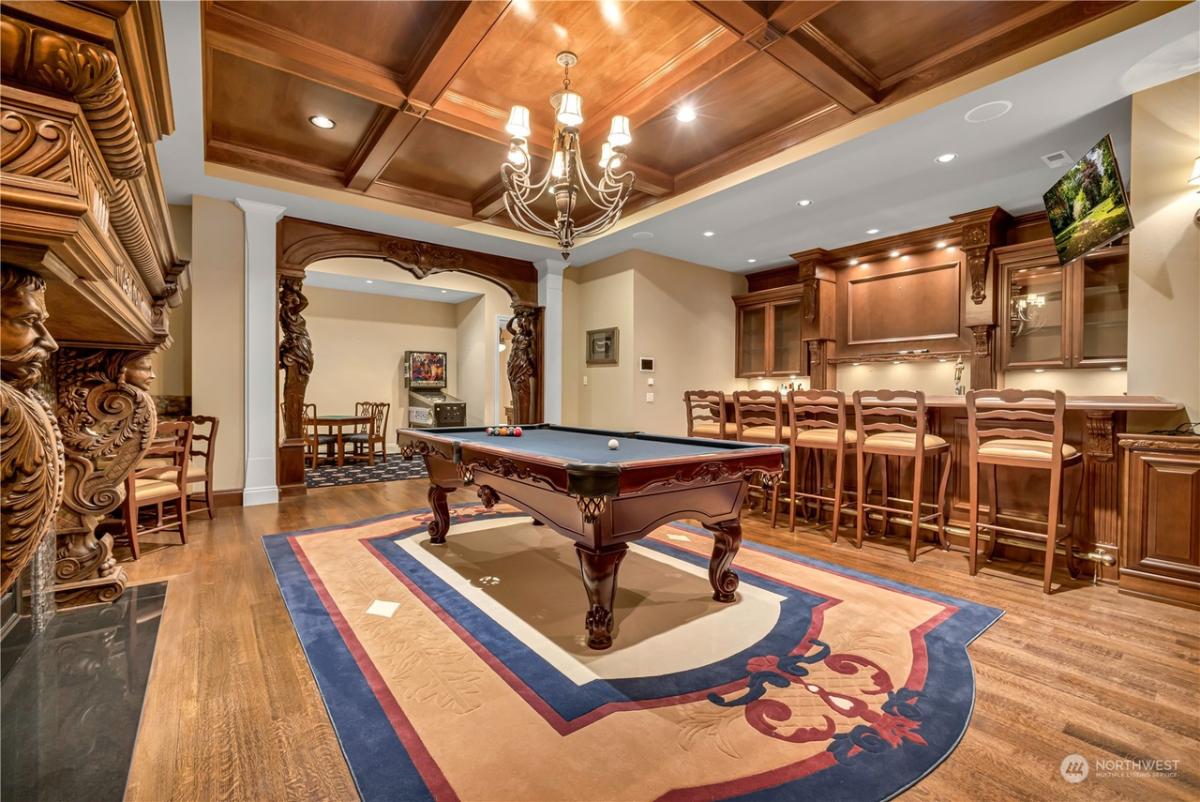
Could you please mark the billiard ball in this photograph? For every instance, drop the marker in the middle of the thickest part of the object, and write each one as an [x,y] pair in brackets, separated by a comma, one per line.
[490,430]
[613,445]
[502,431]
[517,432]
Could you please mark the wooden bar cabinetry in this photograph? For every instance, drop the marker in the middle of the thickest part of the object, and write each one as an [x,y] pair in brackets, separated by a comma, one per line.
[1063,316]
[1160,550]
[770,334]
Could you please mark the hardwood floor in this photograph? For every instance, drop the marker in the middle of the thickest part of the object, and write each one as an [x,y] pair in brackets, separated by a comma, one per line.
[233,712]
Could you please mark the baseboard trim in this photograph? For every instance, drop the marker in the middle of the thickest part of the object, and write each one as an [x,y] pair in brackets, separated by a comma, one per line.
[227,498]
[257,496]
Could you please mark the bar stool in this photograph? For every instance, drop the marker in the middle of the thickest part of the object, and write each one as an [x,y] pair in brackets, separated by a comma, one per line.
[807,429]
[895,438]
[706,415]
[759,419]
[999,442]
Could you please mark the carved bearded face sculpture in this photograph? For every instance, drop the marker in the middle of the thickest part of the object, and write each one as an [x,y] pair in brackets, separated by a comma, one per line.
[25,344]
[140,372]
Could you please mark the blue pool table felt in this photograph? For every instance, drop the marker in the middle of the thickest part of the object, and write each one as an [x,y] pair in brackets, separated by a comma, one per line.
[586,448]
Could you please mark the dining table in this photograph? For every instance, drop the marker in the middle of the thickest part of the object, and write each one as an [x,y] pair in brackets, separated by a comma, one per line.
[340,422]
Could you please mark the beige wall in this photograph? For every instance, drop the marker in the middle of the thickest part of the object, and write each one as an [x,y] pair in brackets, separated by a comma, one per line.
[677,312]
[1164,254]
[218,330]
[359,340]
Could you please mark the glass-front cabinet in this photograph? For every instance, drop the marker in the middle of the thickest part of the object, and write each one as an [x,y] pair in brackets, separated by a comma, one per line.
[1065,316]
[770,335]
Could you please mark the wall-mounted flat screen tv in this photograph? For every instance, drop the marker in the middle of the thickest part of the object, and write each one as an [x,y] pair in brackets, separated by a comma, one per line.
[1087,207]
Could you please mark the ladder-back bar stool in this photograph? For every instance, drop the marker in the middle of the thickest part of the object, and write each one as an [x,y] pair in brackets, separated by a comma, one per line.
[816,422]
[995,438]
[892,423]
[758,415]
[706,415]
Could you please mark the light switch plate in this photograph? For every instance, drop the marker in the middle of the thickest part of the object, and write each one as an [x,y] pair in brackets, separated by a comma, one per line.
[585,381]
[650,381]
[649,397]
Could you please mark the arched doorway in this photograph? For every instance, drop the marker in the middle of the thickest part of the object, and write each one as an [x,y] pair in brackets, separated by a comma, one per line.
[303,242]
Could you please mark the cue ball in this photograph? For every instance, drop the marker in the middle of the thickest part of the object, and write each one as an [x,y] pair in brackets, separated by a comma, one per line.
[613,445]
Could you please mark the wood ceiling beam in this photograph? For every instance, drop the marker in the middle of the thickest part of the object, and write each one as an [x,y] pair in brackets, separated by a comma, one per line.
[790,16]
[804,55]
[230,32]
[464,29]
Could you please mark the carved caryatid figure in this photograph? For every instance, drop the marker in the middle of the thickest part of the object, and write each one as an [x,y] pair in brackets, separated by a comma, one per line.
[522,361]
[107,421]
[295,354]
[31,450]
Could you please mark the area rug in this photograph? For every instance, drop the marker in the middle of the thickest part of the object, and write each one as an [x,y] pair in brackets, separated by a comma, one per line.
[358,473]
[461,671]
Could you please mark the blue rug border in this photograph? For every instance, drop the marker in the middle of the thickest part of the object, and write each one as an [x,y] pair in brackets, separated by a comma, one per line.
[833,781]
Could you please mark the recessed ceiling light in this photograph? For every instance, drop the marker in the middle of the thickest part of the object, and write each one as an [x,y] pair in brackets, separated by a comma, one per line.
[805,202]
[710,233]
[905,256]
[945,158]
[686,113]
[1115,367]
[941,244]
[986,112]
[321,121]
[853,262]
[445,291]
[643,235]
[895,361]
[751,261]
[872,231]
[894,254]
[369,281]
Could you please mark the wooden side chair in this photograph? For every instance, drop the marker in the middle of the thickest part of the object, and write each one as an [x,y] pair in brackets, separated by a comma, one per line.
[159,479]
[373,433]
[706,415]
[892,423]
[996,437]
[200,464]
[816,426]
[313,439]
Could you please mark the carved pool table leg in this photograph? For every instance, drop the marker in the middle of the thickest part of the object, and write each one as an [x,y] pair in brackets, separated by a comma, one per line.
[440,524]
[599,572]
[727,538]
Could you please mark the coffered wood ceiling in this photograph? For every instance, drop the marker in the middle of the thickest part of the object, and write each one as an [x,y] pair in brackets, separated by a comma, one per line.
[421,91]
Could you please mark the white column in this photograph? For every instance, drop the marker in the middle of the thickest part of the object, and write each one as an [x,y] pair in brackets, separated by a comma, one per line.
[260,483]
[550,296]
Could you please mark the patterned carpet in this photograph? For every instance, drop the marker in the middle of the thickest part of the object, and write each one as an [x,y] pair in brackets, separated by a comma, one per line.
[461,671]
[357,473]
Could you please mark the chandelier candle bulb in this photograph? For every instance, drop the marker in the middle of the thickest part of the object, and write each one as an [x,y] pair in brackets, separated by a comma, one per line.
[518,122]
[570,109]
[618,134]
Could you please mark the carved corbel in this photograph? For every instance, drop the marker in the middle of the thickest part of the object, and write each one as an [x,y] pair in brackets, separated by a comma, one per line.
[295,354]
[86,72]
[107,420]
[983,357]
[522,360]
[981,232]
[31,450]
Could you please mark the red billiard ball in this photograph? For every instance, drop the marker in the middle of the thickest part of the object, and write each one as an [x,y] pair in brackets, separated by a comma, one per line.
[517,432]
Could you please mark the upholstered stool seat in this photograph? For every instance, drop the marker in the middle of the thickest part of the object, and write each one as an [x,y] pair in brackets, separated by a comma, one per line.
[901,441]
[817,437]
[714,429]
[1023,449]
[759,434]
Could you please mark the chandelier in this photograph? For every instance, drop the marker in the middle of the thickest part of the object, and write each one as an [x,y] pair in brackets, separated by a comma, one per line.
[565,178]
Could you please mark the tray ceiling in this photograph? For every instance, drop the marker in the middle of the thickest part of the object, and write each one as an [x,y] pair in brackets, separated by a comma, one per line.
[420,91]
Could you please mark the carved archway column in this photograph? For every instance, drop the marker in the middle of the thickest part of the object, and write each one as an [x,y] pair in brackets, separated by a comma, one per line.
[296,362]
[31,451]
[107,420]
[524,364]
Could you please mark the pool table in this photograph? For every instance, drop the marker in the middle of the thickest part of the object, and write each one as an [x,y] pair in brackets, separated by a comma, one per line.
[569,480]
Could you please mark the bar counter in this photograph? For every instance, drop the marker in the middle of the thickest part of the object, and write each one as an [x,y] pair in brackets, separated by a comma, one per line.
[1092,423]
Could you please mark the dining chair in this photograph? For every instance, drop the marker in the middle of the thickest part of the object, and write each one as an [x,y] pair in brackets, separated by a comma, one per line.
[160,478]
[372,433]
[200,463]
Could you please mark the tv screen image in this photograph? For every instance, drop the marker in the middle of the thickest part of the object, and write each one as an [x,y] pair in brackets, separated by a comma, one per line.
[1087,207]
